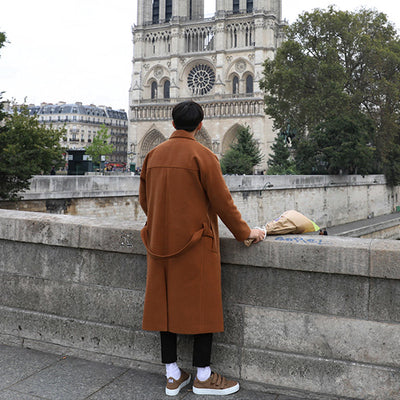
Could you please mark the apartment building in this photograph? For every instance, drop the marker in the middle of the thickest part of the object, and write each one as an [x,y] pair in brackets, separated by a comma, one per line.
[82,122]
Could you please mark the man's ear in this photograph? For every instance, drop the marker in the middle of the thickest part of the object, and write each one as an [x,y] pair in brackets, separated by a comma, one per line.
[200,125]
[173,124]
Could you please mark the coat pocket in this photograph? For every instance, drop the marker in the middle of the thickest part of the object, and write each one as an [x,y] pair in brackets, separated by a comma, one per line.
[209,233]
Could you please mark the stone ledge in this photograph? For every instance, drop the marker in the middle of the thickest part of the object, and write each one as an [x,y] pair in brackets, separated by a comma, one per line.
[72,231]
[78,194]
[314,253]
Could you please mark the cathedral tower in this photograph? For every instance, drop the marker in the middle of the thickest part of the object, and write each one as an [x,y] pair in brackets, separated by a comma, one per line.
[217,62]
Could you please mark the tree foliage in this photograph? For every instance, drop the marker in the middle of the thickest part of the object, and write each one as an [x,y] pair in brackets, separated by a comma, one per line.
[26,149]
[243,155]
[280,162]
[100,146]
[334,66]
[339,145]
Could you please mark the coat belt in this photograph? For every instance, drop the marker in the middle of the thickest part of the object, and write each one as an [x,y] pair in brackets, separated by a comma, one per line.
[195,238]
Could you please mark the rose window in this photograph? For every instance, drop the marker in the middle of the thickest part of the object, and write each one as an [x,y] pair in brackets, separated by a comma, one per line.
[201,79]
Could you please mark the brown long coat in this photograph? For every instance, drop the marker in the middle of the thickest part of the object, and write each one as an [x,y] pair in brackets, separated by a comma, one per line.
[182,191]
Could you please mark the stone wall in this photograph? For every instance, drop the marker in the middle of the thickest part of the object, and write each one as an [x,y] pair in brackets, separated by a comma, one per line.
[328,200]
[315,313]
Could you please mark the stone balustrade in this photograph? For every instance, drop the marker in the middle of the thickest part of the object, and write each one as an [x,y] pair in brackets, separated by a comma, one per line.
[239,107]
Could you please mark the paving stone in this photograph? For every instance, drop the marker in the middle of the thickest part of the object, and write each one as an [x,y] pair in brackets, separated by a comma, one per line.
[18,363]
[69,379]
[11,395]
[136,385]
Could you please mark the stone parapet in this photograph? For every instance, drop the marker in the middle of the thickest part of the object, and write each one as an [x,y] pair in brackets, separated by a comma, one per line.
[80,186]
[313,313]
[327,200]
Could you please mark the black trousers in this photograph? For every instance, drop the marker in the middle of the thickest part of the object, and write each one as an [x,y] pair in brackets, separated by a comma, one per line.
[201,348]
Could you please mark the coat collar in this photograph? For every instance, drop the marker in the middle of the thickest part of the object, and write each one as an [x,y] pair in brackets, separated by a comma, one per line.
[182,134]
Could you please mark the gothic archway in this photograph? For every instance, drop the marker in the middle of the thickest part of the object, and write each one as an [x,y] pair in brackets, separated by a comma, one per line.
[149,141]
[230,137]
[204,138]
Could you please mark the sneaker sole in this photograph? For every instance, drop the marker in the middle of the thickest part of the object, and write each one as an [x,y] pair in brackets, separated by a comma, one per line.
[174,392]
[216,392]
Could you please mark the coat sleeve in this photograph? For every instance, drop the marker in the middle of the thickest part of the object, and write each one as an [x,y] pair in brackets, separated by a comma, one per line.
[142,187]
[221,199]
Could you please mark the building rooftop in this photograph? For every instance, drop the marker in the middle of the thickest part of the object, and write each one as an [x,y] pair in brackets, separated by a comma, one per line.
[77,108]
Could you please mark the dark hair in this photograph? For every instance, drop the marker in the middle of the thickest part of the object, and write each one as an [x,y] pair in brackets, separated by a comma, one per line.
[187,115]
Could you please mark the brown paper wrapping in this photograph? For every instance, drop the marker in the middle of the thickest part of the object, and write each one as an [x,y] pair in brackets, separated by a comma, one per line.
[290,221]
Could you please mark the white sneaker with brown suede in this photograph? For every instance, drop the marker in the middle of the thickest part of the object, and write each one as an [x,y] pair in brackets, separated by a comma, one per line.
[216,384]
[174,386]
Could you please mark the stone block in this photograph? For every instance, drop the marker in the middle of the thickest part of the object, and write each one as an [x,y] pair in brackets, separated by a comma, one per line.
[296,290]
[384,302]
[49,229]
[312,253]
[67,332]
[337,378]
[385,259]
[226,359]
[98,338]
[119,270]
[117,238]
[93,303]
[40,261]
[10,340]
[72,231]
[73,265]
[147,346]
[233,323]
[322,336]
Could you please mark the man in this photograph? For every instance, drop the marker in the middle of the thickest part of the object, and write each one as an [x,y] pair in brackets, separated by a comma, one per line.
[182,191]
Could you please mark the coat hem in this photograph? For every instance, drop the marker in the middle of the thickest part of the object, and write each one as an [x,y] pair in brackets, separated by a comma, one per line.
[185,331]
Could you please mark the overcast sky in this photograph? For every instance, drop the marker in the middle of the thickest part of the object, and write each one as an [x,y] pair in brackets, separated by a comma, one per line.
[81,50]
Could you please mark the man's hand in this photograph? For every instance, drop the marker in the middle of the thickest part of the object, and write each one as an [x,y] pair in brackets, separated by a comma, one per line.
[256,235]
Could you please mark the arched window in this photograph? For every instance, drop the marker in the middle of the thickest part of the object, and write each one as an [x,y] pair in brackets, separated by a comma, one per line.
[235,85]
[153,90]
[167,86]
[249,84]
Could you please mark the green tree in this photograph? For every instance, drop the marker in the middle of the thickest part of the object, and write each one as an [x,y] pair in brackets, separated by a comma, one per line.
[391,165]
[243,155]
[337,63]
[100,146]
[280,162]
[26,149]
[234,162]
[340,145]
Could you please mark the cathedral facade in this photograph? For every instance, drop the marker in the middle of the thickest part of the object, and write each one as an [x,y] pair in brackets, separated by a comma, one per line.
[218,62]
